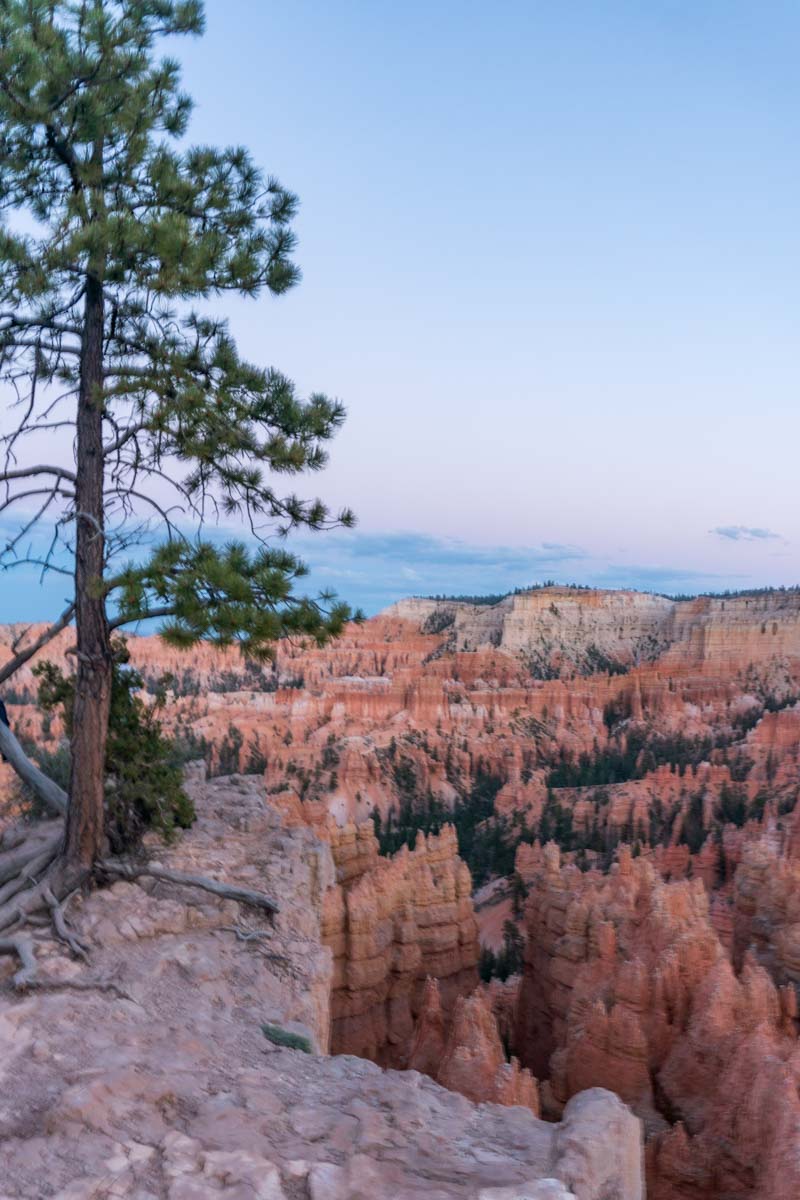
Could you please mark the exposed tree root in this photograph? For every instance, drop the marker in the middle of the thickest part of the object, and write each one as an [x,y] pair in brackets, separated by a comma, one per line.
[35,889]
[155,871]
[246,935]
[78,985]
[22,946]
[24,851]
[62,929]
[40,887]
[27,978]
[31,896]
[27,876]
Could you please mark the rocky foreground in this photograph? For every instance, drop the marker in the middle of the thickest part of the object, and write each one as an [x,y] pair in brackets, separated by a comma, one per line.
[145,1072]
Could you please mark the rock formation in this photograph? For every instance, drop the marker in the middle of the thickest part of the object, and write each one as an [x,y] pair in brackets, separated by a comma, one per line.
[626,981]
[466,1054]
[698,729]
[145,1074]
[392,923]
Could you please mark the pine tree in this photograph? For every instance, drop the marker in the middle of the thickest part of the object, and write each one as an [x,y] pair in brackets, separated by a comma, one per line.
[116,243]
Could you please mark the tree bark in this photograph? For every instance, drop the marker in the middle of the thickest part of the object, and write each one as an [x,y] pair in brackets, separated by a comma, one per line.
[84,840]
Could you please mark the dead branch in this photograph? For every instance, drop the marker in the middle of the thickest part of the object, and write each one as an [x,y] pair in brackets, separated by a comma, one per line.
[23,656]
[39,469]
[46,789]
[27,902]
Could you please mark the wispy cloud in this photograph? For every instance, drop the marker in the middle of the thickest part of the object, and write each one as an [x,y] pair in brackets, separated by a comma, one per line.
[372,570]
[663,578]
[745,533]
[416,548]
[375,569]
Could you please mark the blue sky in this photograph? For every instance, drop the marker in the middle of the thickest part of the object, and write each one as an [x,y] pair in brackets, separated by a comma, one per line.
[551,259]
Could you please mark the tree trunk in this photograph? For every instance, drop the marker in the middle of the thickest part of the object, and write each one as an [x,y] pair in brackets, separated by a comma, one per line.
[85,818]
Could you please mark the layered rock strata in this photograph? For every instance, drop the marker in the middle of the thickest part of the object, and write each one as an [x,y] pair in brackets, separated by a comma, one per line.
[398,711]
[392,923]
[466,1054]
[627,982]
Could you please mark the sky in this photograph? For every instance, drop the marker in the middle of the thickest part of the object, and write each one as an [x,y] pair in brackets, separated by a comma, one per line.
[551,265]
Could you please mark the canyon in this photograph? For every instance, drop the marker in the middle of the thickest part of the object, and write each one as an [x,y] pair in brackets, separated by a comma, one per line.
[188,1058]
[610,777]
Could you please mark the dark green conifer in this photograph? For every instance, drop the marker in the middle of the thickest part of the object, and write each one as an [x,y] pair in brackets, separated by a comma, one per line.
[117,244]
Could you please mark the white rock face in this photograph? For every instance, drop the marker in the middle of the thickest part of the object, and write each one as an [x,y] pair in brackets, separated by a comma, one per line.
[175,1094]
[566,630]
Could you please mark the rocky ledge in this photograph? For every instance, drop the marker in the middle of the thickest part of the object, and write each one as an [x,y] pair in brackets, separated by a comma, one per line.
[146,1072]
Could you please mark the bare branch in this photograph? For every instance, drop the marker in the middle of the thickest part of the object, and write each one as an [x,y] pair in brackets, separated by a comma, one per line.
[19,660]
[37,344]
[123,439]
[44,563]
[7,503]
[46,789]
[29,472]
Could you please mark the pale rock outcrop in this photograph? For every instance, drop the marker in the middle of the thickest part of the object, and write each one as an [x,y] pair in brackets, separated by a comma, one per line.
[168,1090]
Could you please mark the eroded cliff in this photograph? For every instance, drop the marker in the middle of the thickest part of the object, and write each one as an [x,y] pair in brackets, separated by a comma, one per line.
[145,1073]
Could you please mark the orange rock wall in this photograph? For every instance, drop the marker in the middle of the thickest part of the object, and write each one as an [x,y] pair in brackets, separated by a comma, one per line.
[466,1055]
[392,923]
[628,986]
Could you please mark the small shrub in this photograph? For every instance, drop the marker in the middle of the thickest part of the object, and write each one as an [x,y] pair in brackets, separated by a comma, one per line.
[144,782]
[283,1037]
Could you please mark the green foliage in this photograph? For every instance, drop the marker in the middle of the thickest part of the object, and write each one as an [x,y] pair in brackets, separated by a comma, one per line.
[483,838]
[493,598]
[555,823]
[599,663]
[509,960]
[439,620]
[109,200]
[144,788]
[733,805]
[519,892]
[634,751]
[256,760]
[693,833]
[284,1037]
